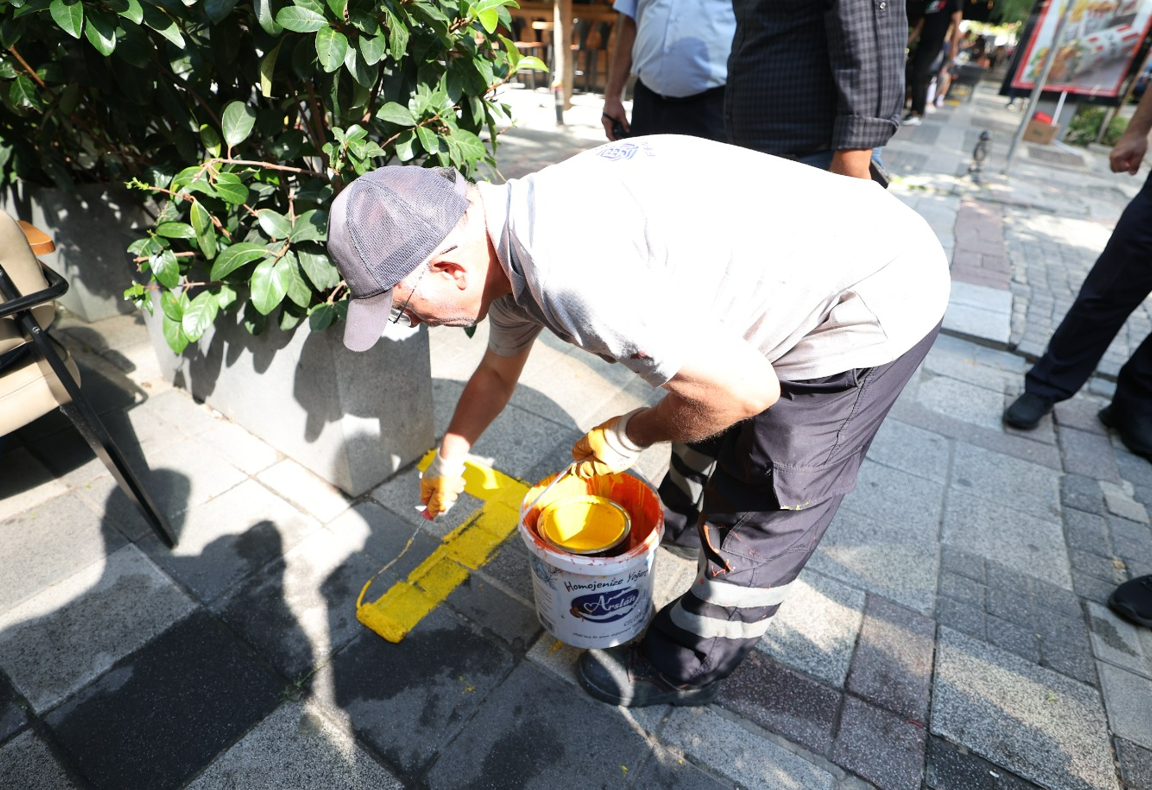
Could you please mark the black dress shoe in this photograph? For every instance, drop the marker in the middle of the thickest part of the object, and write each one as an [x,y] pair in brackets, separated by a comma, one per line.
[1135,429]
[623,676]
[1132,600]
[1027,411]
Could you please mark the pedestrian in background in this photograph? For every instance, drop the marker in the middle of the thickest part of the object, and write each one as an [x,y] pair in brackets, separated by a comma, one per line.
[929,35]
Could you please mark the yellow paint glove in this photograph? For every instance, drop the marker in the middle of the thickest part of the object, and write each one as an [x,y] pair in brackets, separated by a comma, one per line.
[441,485]
[606,448]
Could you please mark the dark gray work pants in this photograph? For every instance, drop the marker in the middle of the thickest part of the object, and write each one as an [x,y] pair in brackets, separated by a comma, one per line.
[777,482]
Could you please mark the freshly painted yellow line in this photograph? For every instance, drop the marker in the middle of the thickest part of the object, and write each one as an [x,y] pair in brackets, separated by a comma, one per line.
[466,548]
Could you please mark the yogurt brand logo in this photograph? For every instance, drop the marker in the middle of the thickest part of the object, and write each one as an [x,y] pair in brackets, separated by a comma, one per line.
[605,607]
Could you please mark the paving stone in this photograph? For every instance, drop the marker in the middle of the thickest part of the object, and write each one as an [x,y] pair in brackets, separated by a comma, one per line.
[885,749]
[533,732]
[966,403]
[962,616]
[955,768]
[12,716]
[517,439]
[883,556]
[48,543]
[1128,699]
[962,588]
[63,638]
[1006,481]
[25,483]
[1010,605]
[670,772]
[187,474]
[243,450]
[1088,454]
[1119,501]
[892,665]
[300,748]
[1135,764]
[27,763]
[305,490]
[430,684]
[230,538]
[1117,641]
[197,668]
[912,450]
[384,537]
[1013,638]
[1081,493]
[782,701]
[509,566]
[1027,544]
[1074,660]
[1092,588]
[731,751]
[961,562]
[1056,600]
[905,499]
[301,608]
[490,607]
[1094,565]
[816,628]
[1037,723]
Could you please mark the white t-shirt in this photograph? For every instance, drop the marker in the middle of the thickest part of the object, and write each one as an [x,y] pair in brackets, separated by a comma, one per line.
[681,46]
[629,250]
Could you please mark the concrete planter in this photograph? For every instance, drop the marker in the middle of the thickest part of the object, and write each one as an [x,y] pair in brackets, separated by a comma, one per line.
[92,229]
[354,419]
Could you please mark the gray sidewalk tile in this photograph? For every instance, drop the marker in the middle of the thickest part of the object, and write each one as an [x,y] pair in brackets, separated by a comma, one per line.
[196,668]
[242,449]
[964,617]
[299,748]
[1088,454]
[532,733]
[1117,641]
[1135,764]
[48,543]
[1040,725]
[1120,502]
[25,482]
[1080,413]
[12,714]
[731,751]
[1005,480]
[186,474]
[962,401]
[27,763]
[912,450]
[408,700]
[901,498]
[782,701]
[229,538]
[955,768]
[384,536]
[509,566]
[1128,698]
[670,772]
[71,633]
[892,665]
[305,490]
[880,746]
[1081,493]
[816,629]
[1029,545]
[958,561]
[490,606]
[961,360]
[299,609]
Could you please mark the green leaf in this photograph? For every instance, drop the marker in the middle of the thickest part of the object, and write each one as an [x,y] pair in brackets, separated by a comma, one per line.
[205,233]
[166,268]
[229,187]
[225,296]
[172,305]
[237,121]
[331,48]
[311,5]
[269,284]
[310,226]
[321,317]
[266,17]
[301,20]
[133,12]
[290,318]
[531,62]
[470,148]
[428,139]
[174,334]
[234,257]
[175,230]
[218,10]
[360,71]
[276,225]
[199,315]
[23,93]
[299,292]
[268,69]
[320,270]
[489,19]
[373,48]
[163,24]
[393,112]
[210,138]
[338,7]
[405,146]
[101,32]
[68,15]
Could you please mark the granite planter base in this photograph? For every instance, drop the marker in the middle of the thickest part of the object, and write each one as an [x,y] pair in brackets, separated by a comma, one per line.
[354,419]
[92,229]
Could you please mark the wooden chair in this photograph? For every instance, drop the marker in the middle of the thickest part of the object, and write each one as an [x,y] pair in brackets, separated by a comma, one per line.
[522,28]
[36,372]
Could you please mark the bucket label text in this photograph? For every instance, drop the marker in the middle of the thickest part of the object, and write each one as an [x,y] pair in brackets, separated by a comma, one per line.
[605,607]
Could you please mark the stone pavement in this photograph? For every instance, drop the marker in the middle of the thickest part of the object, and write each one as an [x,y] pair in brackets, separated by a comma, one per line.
[950,633]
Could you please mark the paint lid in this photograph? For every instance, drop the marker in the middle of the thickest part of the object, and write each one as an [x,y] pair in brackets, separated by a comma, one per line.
[585,524]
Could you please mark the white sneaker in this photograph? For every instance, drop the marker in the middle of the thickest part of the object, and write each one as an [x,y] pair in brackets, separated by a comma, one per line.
[911,119]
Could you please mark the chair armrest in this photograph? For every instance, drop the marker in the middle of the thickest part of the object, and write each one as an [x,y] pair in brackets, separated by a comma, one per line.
[40,242]
[14,302]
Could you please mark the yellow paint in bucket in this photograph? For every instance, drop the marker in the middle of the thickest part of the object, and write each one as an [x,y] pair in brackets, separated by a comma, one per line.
[586,524]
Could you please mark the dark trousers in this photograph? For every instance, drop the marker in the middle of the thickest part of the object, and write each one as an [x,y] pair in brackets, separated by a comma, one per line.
[701,115]
[1119,281]
[778,480]
[920,72]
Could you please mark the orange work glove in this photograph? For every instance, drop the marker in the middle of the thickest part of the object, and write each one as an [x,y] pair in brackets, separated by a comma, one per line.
[606,448]
[441,485]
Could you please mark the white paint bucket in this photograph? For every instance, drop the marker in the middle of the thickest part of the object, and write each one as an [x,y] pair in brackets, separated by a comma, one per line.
[589,600]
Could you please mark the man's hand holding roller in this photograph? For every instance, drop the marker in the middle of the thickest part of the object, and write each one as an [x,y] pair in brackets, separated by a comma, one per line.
[606,448]
[441,485]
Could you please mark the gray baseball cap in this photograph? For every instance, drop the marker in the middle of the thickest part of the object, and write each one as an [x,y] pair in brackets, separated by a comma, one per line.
[380,228]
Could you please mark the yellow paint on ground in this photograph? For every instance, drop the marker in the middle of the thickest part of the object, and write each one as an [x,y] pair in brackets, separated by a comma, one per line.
[467,547]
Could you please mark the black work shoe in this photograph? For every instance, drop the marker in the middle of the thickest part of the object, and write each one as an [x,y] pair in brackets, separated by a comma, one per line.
[1135,430]
[1027,411]
[623,676]
[1132,600]
[683,552]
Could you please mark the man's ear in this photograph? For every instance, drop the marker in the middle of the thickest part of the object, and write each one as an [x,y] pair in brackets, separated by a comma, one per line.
[454,270]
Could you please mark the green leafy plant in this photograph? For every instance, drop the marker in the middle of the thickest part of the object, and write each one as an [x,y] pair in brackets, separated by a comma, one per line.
[1084,128]
[243,120]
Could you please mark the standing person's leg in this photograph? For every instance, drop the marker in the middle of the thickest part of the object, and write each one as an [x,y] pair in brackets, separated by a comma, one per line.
[682,492]
[647,110]
[1119,281]
[1130,412]
[778,483]
[922,74]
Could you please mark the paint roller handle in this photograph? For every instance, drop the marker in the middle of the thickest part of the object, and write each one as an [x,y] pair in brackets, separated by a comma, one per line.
[441,485]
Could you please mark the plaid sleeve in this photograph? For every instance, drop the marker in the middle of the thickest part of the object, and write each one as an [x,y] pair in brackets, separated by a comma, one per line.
[866,41]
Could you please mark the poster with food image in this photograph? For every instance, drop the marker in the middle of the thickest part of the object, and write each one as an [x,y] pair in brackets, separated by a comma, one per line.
[1101,48]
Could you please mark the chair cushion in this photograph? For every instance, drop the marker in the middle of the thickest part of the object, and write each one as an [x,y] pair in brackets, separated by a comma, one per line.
[21,266]
[29,390]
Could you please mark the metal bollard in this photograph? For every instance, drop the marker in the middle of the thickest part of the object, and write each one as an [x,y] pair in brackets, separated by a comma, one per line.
[979,154]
